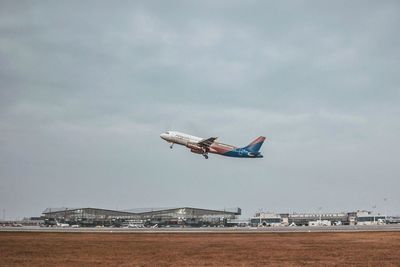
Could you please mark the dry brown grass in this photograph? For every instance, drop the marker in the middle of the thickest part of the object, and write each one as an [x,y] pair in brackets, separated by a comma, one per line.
[205,249]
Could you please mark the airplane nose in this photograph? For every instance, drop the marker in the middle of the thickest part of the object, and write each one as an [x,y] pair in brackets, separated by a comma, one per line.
[163,136]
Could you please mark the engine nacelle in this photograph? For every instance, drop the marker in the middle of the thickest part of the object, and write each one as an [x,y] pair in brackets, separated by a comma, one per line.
[195,148]
[197,151]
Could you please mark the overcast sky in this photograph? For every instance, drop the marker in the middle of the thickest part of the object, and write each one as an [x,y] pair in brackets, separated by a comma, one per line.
[86,88]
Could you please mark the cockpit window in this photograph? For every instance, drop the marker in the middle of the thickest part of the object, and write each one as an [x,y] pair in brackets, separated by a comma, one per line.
[167,132]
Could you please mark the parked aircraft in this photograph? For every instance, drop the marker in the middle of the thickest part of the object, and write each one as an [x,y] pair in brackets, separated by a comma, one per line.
[62,224]
[204,146]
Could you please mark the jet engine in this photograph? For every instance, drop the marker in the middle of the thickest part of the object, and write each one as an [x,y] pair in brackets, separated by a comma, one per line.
[195,148]
[197,151]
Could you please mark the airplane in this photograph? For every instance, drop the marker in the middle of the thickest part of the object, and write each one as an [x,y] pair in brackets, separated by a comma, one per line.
[204,146]
[62,224]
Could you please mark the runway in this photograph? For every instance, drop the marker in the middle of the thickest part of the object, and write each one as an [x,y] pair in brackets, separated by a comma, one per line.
[296,229]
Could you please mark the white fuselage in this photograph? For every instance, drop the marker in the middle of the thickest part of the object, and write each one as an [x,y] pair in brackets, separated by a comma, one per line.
[180,138]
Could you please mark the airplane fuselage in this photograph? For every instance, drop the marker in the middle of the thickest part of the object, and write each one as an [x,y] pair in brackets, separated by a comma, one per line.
[195,146]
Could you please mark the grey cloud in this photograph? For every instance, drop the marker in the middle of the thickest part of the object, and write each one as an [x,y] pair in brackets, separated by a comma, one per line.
[88,86]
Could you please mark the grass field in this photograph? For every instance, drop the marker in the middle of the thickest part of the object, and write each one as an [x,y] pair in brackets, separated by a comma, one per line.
[205,249]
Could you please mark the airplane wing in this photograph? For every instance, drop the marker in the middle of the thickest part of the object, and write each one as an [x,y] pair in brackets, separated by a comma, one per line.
[206,143]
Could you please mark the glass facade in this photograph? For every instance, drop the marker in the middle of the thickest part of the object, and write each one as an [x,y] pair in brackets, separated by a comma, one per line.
[172,216]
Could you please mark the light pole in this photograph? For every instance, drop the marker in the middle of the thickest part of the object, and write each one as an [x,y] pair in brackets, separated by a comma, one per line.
[384,203]
[374,207]
[319,210]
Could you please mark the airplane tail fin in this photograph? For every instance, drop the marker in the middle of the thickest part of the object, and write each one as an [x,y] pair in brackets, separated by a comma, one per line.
[255,145]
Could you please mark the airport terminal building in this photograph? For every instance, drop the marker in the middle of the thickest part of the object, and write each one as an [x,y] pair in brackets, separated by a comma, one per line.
[197,217]
[182,216]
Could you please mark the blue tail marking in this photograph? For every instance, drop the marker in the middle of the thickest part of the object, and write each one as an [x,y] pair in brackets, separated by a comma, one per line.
[255,146]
